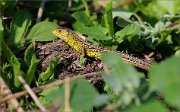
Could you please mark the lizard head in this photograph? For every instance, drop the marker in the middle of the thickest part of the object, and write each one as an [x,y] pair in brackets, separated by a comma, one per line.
[62,33]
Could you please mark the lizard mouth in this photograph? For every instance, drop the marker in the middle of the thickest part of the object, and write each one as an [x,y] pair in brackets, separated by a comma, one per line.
[61,33]
[55,32]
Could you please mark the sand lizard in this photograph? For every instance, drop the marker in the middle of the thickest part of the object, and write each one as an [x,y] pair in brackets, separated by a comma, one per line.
[82,46]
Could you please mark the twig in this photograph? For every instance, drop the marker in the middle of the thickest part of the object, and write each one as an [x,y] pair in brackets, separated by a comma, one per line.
[69,3]
[47,86]
[110,107]
[32,94]
[149,57]
[67,94]
[120,4]
[86,8]
[106,69]
[13,100]
[40,11]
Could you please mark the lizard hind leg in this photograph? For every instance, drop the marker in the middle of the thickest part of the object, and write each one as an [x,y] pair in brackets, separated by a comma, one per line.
[149,58]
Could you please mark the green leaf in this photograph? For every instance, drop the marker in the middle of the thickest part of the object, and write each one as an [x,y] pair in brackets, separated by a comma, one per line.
[44,76]
[82,60]
[86,7]
[82,90]
[1,35]
[32,62]
[95,32]
[6,71]
[121,76]
[42,31]
[19,26]
[124,16]
[16,65]
[2,27]
[7,7]
[107,20]
[120,12]
[131,32]
[13,61]
[164,77]
[177,53]
[101,100]
[28,54]
[173,6]
[82,95]
[153,9]
[32,69]
[52,95]
[151,106]
[122,22]
[82,17]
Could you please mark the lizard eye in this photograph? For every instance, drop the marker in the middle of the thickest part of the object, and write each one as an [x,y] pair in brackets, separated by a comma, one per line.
[57,31]
[61,33]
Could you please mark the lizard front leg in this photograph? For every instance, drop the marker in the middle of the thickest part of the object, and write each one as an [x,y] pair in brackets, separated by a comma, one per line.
[81,57]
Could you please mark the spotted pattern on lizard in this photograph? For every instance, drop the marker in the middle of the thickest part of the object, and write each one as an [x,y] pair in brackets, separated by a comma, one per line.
[83,47]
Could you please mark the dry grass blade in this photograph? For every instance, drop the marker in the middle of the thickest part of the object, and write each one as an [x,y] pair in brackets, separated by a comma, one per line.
[47,86]
[8,92]
[41,10]
[67,94]
[32,94]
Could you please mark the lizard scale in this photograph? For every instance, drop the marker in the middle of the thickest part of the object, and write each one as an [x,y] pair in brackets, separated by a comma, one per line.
[83,47]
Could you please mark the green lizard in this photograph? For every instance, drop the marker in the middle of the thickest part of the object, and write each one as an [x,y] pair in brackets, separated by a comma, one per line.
[83,47]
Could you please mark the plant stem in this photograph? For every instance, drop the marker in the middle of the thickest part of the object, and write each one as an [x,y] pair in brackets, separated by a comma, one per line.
[86,7]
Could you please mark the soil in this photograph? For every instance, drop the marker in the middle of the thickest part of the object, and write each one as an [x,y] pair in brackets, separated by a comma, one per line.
[69,64]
